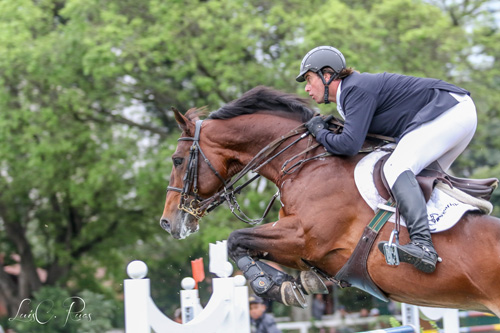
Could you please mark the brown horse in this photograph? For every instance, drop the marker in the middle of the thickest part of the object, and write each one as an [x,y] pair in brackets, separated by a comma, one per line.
[322,215]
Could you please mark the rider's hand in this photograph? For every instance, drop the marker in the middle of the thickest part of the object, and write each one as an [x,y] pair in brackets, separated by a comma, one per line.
[315,125]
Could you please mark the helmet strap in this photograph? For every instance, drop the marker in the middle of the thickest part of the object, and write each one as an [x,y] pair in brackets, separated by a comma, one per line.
[327,85]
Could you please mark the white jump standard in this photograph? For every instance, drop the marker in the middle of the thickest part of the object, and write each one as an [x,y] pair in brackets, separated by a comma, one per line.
[227,310]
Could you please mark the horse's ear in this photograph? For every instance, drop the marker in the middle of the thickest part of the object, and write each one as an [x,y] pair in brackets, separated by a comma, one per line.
[185,124]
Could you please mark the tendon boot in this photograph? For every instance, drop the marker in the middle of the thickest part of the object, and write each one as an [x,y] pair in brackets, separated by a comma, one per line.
[410,200]
[268,282]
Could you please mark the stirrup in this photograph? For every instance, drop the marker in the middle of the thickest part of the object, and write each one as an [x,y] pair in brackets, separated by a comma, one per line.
[390,249]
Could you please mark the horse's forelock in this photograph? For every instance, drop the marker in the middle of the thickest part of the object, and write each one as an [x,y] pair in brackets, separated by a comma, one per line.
[194,114]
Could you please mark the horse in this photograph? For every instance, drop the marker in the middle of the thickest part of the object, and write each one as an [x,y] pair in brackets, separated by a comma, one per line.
[322,214]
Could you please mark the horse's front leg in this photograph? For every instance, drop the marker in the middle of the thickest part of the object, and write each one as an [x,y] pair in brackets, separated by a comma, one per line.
[284,243]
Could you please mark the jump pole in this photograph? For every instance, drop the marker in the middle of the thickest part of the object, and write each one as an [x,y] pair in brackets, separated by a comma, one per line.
[401,329]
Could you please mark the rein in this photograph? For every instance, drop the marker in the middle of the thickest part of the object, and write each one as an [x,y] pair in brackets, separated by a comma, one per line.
[198,207]
[228,194]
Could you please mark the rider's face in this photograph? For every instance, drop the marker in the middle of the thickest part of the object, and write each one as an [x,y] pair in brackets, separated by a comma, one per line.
[315,87]
[257,310]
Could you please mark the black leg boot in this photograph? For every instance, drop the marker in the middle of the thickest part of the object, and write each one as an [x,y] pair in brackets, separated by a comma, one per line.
[268,282]
[410,200]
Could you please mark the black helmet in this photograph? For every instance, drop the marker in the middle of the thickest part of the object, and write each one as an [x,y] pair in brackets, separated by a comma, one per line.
[320,57]
[255,300]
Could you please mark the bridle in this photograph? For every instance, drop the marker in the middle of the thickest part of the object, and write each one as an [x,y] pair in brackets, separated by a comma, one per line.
[190,179]
[198,207]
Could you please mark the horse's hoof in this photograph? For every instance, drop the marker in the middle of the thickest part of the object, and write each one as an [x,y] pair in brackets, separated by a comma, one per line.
[292,295]
[312,283]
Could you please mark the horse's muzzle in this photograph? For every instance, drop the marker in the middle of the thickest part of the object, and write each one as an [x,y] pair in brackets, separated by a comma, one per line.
[165,225]
[180,228]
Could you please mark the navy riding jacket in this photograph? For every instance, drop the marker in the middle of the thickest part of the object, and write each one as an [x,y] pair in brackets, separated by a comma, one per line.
[386,104]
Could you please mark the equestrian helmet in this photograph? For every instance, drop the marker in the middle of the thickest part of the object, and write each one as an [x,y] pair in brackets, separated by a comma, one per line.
[320,57]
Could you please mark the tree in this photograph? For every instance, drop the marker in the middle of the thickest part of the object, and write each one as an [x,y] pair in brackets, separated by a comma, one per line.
[68,184]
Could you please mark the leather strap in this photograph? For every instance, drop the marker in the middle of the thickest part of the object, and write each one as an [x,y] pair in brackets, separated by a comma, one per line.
[355,271]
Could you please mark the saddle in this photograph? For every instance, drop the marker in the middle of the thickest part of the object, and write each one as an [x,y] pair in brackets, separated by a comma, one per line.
[430,176]
[355,272]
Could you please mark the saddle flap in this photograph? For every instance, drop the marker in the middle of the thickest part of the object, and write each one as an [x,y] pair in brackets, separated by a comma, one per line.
[426,182]
[427,179]
[379,178]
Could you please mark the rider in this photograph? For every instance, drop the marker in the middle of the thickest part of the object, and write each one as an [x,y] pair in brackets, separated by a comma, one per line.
[432,120]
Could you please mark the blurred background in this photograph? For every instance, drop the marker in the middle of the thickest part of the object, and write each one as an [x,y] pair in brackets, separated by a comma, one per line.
[86,131]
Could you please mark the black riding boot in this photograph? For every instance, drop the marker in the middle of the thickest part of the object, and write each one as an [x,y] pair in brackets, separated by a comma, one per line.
[410,200]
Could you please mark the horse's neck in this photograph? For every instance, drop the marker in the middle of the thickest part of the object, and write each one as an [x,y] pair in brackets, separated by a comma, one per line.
[241,138]
[330,179]
[324,194]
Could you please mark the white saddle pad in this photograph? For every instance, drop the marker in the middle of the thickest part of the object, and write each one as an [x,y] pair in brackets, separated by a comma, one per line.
[443,210]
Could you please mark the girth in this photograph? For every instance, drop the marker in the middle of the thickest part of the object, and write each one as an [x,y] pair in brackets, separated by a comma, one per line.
[355,271]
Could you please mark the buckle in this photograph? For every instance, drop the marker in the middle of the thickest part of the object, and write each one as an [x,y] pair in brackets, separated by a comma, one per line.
[428,251]
[390,249]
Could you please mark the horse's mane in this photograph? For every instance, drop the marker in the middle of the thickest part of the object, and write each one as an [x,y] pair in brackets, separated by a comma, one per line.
[263,98]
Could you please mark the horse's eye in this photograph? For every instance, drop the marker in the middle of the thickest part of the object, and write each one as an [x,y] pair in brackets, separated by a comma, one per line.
[178,161]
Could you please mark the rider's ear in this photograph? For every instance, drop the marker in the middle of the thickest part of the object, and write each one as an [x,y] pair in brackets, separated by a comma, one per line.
[185,124]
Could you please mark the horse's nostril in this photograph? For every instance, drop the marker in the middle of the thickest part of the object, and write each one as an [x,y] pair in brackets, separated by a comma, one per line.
[165,224]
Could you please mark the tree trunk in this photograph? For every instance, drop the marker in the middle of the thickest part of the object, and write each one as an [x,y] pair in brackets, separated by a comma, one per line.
[28,280]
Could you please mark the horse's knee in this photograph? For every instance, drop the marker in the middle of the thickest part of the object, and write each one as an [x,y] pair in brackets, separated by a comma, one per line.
[234,248]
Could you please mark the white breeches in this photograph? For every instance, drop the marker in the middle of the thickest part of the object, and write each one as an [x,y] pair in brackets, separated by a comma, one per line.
[442,139]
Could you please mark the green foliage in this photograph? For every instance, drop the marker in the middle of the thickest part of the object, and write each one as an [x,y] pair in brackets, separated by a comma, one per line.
[53,310]
[354,299]
[394,322]
[102,310]
[434,325]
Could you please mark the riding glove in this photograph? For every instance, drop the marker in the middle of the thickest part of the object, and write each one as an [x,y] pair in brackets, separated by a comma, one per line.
[315,125]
